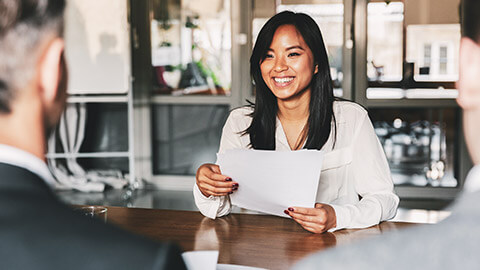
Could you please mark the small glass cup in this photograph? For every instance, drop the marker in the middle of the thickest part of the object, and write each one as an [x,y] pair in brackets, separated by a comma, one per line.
[98,212]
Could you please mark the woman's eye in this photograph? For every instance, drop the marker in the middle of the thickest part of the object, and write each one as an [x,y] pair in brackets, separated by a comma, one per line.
[269,56]
[293,54]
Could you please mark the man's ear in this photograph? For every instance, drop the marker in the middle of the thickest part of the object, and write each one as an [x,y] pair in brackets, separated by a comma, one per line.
[467,48]
[468,84]
[50,70]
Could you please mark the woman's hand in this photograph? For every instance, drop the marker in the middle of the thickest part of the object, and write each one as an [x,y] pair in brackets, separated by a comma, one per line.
[317,220]
[211,182]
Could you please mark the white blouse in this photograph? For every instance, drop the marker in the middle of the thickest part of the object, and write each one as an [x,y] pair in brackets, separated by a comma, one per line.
[355,178]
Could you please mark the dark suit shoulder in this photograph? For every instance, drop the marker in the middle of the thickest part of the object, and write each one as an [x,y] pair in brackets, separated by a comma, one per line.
[40,232]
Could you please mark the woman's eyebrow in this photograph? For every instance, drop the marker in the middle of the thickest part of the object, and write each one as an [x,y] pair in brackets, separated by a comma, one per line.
[295,47]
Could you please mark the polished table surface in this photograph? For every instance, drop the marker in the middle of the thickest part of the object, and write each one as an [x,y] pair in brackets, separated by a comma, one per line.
[255,240]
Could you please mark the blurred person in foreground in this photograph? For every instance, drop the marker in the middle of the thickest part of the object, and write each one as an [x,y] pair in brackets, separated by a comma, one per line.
[453,243]
[37,231]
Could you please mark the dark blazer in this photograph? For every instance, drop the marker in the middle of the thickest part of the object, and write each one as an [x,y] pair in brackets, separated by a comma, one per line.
[37,231]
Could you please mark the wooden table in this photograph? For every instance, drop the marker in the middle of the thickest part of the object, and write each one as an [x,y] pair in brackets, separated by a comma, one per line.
[254,240]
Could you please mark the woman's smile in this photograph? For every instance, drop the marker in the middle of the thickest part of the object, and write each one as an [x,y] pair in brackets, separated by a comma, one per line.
[283,81]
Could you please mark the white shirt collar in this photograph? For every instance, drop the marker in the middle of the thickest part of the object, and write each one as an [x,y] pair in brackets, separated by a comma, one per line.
[16,157]
[472,182]
[281,143]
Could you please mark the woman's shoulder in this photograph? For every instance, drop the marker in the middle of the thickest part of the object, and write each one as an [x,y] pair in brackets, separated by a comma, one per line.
[239,118]
[243,112]
[348,110]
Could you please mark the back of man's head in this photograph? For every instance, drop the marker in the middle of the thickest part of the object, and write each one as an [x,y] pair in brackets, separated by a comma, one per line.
[471,20]
[24,25]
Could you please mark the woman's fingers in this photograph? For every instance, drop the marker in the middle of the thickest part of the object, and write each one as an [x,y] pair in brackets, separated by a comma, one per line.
[311,226]
[213,172]
[313,229]
[209,190]
[217,176]
[306,223]
[219,183]
[310,229]
[212,183]
[308,214]
[217,186]
[311,219]
[304,211]
[321,218]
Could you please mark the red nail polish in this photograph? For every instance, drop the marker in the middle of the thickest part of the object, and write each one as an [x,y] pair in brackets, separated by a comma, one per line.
[231,192]
[228,179]
[235,188]
[235,185]
[290,209]
[285,211]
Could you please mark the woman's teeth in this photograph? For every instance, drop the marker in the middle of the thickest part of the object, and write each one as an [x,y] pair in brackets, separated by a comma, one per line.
[283,80]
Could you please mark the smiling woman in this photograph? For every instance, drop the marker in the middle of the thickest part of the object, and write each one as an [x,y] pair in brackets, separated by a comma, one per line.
[295,109]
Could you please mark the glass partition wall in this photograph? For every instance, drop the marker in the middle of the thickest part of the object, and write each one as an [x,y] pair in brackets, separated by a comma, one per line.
[192,86]
[406,68]
[420,144]
[191,47]
[412,49]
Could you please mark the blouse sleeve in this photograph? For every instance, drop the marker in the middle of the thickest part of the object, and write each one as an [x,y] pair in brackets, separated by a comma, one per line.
[372,181]
[217,206]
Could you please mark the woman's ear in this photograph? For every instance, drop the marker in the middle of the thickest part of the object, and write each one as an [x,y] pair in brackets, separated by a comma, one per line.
[316,69]
[50,70]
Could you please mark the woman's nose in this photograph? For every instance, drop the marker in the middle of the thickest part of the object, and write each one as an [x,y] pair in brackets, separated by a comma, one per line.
[280,65]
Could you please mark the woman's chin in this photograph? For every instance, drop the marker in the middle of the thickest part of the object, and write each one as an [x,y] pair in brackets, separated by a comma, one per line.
[284,94]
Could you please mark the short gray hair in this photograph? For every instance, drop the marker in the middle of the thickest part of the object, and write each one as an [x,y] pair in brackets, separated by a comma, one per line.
[24,24]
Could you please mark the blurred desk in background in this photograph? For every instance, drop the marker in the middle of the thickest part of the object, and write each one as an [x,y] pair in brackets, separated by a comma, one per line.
[254,240]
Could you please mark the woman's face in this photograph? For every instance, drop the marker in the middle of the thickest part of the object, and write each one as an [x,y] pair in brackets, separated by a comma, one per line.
[288,67]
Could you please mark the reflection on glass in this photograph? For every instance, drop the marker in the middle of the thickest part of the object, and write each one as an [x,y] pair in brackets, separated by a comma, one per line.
[413,44]
[186,136]
[419,144]
[385,41]
[329,16]
[434,50]
[191,47]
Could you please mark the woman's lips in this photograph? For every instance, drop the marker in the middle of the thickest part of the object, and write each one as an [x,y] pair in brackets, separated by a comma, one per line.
[283,81]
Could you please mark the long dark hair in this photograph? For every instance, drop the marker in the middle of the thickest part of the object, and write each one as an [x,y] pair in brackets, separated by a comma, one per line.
[321,117]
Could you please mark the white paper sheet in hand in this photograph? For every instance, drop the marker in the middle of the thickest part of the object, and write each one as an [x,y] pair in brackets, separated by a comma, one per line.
[272,181]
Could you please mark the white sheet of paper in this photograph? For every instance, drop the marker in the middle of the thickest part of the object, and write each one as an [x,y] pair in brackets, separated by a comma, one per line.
[207,260]
[272,181]
[201,260]
[221,266]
